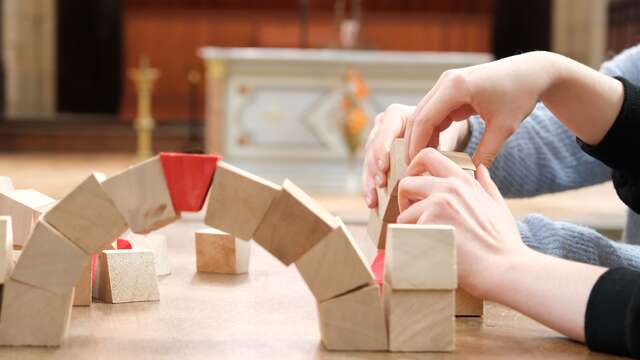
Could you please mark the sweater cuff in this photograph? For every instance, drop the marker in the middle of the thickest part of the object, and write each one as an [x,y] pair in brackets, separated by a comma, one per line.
[618,145]
[476,126]
[607,322]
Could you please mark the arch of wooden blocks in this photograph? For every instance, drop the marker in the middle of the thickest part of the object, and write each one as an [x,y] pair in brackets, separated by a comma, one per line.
[350,305]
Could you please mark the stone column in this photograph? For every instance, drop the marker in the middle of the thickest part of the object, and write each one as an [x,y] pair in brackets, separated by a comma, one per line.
[579,30]
[29,51]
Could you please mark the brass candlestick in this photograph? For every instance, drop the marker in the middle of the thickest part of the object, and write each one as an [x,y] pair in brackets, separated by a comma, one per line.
[144,77]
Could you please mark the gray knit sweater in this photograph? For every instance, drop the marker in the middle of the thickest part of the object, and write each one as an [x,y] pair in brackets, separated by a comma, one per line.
[543,157]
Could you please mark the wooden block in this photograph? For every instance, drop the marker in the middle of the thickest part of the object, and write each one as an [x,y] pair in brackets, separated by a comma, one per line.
[50,261]
[83,288]
[293,224]
[420,257]
[189,178]
[238,201]
[467,304]
[157,243]
[219,252]
[354,321]
[33,316]
[6,185]
[397,165]
[87,216]
[420,320]
[377,267]
[377,229]
[334,265]
[6,248]
[24,207]
[125,276]
[462,159]
[388,206]
[141,195]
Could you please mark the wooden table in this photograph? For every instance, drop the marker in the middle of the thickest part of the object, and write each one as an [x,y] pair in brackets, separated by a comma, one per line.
[267,314]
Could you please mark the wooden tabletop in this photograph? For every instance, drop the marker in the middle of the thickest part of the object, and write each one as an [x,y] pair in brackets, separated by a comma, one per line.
[266,314]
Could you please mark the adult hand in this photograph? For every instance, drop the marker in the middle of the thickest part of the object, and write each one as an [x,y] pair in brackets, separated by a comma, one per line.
[389,125]
[437,191]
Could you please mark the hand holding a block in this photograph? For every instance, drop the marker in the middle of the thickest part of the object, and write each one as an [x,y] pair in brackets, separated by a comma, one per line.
[485,228]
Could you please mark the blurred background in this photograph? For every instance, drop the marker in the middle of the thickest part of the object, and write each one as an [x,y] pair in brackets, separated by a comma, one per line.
[284,88]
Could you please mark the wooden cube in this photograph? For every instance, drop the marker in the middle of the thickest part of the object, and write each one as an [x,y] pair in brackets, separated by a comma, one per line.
[25,208]
[467,304]
[388,207]
[141,195]
[293,224]
[219,252]
[420,320]
[420,257]
[334,265]
[461,159]
[377,229]
[87,216]
[6,184]
[397,165]
[83,292]
[33,316]
[238,200]
[354,321]
[6,248]
[157,243]
[50,261]
[125,276]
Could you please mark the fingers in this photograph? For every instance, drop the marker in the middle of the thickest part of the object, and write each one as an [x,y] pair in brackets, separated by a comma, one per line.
[389,125]
[484,178]
[492,141]
[431,161]
[415,188]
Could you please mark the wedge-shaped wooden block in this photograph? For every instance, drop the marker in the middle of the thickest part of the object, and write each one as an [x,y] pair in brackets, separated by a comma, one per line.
[420,257]
[157,243]
[467,304]
[24,207]
[50,261]
[354,321]
[334,265]
[87,216]
[293,224]
[6,248]
[238,200]
[420,320]
[387,206]
[83,288]
[141,195]
[377,229]
[461,159]
[219,252]
[6,184]
[189,178]
[32,316]
[397,165]
[126,276]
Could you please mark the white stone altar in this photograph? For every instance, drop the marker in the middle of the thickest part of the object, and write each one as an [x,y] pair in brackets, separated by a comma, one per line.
[276,112]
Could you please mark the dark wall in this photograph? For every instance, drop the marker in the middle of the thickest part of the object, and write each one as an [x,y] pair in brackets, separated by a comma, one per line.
[89,56]
[521,26]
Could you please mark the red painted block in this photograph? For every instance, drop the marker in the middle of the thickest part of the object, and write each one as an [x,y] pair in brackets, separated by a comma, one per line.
[122,244]
[378,267]
[188,177]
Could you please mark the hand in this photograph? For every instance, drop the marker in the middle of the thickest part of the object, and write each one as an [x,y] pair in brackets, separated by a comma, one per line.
[390,125]
[486,235]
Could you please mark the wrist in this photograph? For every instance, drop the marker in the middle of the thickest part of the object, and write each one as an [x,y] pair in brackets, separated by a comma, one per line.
[511,271]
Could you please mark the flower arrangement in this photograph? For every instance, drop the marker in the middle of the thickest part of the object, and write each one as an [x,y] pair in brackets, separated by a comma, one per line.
[355,120]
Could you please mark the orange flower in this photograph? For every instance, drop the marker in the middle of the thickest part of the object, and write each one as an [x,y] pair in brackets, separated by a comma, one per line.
[356,122]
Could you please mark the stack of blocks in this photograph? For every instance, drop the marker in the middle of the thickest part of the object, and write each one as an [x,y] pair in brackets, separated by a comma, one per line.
[387,213]
[420,280]
[39,292]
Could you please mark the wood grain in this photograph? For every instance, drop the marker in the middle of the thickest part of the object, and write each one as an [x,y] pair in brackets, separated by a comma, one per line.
[24,207]
[83,293]
[141,195]
[87,216]
[238,200]
[219,252]
[354,321]
[467,304]
[334,265]
[420,257]
[397,165]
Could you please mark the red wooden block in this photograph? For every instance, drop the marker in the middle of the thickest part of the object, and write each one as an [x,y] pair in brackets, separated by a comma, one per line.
[378,267]
[188,177]
[122,244]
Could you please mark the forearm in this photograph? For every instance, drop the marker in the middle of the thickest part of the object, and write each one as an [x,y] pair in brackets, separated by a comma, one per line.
[586,101]
[551,290]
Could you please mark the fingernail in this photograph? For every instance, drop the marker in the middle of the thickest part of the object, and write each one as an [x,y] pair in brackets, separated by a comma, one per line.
[378,180]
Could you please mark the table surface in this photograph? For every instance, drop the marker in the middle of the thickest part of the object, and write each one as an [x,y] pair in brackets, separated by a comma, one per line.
[268,314]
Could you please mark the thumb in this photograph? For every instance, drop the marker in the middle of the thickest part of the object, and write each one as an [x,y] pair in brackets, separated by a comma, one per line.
[484,178]
[490,144]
